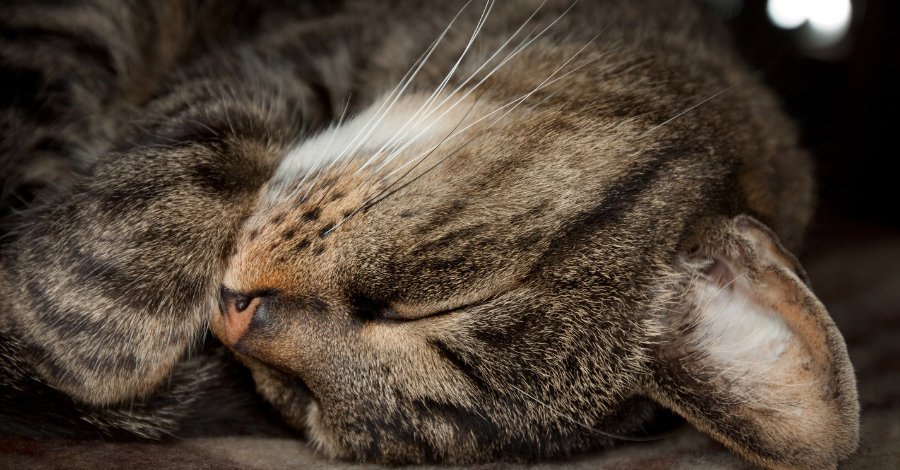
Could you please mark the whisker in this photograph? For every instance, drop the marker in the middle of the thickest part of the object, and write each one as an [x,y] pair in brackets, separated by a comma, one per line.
[517,102]
[545,99]
[522,98]
[699,104]
[428,102]
[552,78]
[323,153]
[450,135]
[405,82]
[409,80]
[518,48]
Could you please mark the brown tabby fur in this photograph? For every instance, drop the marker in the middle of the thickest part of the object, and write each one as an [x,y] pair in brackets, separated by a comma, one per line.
[519,293]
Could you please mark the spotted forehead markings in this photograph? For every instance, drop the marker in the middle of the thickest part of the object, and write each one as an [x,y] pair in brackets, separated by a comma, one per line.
[373,131]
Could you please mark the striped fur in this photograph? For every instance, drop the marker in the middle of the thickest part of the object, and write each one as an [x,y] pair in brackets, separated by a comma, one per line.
[509,255]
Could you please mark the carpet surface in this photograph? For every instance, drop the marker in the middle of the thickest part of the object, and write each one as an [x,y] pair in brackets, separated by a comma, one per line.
[855,271]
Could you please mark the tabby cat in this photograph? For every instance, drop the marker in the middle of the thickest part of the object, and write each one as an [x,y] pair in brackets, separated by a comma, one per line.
[442,231]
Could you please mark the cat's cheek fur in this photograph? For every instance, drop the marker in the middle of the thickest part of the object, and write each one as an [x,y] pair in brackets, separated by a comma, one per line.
[752,357]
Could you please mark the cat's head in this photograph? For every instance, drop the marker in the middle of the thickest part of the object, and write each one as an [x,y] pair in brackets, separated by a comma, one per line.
[516,288]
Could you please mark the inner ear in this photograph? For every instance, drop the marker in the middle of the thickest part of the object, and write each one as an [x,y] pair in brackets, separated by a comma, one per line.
[749,355]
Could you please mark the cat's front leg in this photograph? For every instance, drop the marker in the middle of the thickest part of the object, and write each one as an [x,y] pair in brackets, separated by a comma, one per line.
[75,73]
[108,288]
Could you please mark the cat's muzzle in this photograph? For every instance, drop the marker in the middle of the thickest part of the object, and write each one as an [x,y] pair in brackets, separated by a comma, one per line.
[240,310]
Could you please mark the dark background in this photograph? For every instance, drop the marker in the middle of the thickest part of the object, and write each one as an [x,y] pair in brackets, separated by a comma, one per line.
[847,103]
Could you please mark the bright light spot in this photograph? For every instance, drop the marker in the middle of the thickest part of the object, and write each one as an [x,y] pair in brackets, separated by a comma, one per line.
[827,21]
[823,15]
[789,14]
[831,15]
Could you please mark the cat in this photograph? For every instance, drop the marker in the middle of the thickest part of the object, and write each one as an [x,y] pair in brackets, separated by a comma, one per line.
[455,232]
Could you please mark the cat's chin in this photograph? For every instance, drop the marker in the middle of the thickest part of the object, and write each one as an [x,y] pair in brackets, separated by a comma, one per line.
[637,418]
[294,401]
[290,396]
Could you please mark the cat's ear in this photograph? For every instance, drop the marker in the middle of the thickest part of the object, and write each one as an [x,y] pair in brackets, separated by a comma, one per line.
[750,356]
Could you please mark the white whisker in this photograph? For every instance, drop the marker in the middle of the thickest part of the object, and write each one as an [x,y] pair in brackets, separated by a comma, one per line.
[427,104]
[519,48]
[322,154]
[698,104]
[372,125]
[517,100]
[406,84]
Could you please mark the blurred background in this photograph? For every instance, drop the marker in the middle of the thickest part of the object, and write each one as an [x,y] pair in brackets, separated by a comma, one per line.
[836,66]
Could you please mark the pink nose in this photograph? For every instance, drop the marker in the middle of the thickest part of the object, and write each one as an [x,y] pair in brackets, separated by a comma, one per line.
[238,311]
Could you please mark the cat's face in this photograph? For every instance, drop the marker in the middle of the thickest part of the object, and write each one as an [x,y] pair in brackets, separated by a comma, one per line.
[518,291]
[422,323]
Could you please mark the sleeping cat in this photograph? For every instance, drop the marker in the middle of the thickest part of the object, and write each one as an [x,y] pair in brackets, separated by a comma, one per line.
[452,232]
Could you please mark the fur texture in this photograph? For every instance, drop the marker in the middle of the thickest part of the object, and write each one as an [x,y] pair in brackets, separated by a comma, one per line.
[556,216]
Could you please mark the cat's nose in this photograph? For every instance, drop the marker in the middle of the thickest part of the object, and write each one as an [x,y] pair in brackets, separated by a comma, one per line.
[238,310]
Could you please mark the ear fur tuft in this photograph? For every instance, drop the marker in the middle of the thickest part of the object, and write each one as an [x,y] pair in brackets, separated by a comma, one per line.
[752,357]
